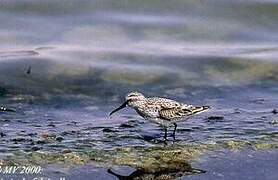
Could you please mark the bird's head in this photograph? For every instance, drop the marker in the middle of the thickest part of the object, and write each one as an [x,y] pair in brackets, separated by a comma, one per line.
[132,99]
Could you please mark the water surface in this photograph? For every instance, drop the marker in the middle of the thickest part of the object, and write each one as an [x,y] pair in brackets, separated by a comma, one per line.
[65,65]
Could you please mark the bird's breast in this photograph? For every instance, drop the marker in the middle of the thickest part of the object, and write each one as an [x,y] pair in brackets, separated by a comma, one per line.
[147,112]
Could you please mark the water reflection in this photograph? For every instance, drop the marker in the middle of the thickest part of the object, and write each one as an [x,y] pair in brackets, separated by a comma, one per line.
[170,171]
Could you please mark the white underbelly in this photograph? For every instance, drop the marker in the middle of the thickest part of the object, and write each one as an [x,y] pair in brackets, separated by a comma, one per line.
[153,116]
[147,114]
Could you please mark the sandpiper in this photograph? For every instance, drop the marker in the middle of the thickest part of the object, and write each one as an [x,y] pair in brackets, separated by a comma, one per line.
[165,112]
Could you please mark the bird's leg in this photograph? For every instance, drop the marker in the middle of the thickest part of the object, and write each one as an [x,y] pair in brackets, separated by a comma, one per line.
[165,134]
[174,133]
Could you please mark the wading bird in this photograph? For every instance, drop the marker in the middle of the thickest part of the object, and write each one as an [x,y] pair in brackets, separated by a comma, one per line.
[165,112]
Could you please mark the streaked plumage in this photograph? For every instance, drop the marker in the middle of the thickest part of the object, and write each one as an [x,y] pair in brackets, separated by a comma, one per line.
[162,111]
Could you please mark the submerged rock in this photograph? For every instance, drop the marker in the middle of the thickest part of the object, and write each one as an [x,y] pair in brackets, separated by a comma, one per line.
[3,91]
[51,124]
[211,118]
[152,160]
[126,125]
[274,122]
[2,134]
[274,111]
[41,142]
[64,151]
[21,139]
[235,145]
[68,159]
[262,146]
[48,137]
[236,111]
[108,130]
[59,138]
[35,148]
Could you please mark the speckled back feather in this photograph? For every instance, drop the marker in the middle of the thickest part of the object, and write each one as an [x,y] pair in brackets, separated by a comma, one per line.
[181,112]
[167,109]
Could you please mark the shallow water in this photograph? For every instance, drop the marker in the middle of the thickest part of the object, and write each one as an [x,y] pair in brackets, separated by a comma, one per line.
[66,65]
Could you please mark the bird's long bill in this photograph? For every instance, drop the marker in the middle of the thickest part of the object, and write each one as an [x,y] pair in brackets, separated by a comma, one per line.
[119,108]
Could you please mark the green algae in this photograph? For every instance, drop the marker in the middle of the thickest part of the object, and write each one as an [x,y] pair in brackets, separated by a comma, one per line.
[71,158]
[235,71]
[235,145]
[134,77]
[151,159]
[154,159]
[265,146]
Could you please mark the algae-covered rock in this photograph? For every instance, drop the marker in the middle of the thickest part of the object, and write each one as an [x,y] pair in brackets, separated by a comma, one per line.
[261,146]
[156,162]
[70,158]
[74,158]
[235,145]
[150,159]
[154,159]
[264,146]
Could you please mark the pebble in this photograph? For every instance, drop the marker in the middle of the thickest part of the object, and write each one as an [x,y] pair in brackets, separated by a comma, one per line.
[107,130]
[35,148]
[215,118]
[273,122]
[41,142]
[59,138]
[51,124]
[2,134]
[125,125]
[64,151]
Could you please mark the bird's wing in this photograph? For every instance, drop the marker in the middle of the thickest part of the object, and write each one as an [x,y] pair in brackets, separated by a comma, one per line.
[181,111]
[170,109]
[163,103]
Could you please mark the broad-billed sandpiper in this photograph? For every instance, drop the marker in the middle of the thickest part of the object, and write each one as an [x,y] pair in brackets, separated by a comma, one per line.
[165,112]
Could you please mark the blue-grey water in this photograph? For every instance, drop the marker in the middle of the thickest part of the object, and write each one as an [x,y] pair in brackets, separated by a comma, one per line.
[64,65]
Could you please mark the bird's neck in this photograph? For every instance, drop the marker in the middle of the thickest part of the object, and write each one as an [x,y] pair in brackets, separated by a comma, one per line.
[138,104]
